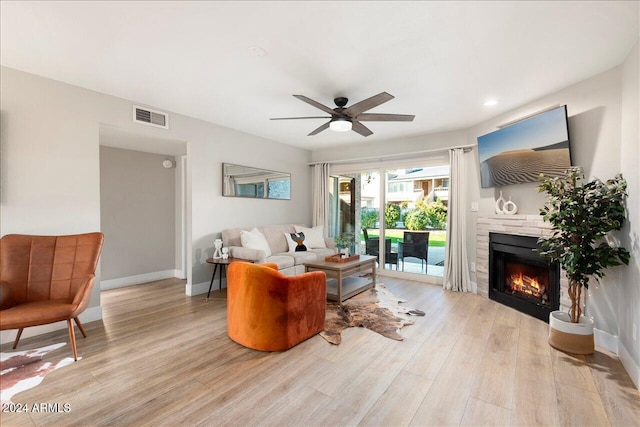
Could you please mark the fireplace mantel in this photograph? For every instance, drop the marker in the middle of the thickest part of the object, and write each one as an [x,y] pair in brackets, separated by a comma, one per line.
[520,225]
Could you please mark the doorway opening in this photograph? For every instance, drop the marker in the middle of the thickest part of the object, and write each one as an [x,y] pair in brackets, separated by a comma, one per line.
[143,208]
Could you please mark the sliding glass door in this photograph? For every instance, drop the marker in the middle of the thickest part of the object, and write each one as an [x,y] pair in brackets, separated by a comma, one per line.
[397,215]
[415,218]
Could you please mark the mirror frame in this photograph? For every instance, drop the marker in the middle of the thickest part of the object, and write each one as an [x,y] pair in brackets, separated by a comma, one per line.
[251,176]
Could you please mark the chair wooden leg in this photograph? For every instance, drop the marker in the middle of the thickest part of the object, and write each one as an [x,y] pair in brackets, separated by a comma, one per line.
[80,326]
[72,337]
[15,343]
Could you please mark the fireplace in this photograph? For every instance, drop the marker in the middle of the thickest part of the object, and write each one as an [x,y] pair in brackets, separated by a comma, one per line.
[520,278]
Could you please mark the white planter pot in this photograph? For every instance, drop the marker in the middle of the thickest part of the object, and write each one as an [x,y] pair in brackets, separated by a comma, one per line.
[576,338]
[345,252]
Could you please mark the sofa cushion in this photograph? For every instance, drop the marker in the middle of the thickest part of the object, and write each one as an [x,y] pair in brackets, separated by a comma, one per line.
[302,257]
[37,313]
[321,253]
[275,237]
[281,260]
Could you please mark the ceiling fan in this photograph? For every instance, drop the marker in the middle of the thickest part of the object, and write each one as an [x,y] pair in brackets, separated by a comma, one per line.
[345,119]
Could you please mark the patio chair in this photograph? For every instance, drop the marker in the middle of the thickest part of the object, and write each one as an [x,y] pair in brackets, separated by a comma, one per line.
[415,245]
[372,247]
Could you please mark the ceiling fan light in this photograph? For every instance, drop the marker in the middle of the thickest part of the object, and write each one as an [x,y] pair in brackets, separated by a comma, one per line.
[340,125]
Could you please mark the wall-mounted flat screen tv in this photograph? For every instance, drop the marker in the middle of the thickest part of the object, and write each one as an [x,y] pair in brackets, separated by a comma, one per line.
[520,152]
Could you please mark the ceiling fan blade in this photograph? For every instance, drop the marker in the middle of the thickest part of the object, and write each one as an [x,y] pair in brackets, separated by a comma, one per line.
[372,117]
[360,128]
[320,129]
[298,118]
[316,104]
[368,104]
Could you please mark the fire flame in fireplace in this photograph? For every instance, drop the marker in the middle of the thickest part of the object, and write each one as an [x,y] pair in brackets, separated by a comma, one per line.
[527,285]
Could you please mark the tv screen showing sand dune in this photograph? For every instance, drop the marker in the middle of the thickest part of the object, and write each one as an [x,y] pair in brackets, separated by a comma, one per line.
[521,152]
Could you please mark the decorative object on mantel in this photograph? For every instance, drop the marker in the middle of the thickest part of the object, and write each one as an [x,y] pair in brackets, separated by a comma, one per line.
[504,207]
[500,201]
[581,216]
[218,245]
[510,208]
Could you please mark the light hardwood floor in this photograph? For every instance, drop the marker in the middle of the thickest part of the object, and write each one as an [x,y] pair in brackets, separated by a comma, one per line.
[162,358]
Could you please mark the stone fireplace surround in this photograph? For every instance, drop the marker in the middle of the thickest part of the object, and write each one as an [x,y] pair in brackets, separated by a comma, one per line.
[521,225]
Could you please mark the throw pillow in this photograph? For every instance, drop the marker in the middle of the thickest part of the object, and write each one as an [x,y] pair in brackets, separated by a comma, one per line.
[298,238]
[314,237]
[254,239]
[292,243]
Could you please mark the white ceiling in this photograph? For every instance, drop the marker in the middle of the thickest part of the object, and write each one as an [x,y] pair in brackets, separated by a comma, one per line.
[441,60]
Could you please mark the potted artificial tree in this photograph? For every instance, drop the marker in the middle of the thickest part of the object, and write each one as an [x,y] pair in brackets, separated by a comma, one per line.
[582,215]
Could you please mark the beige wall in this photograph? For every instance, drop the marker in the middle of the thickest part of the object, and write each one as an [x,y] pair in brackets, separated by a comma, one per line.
[50,179]
[137,213]
[628,285]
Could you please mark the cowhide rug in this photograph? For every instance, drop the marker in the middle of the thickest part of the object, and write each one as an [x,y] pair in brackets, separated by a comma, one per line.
[375,309]
[22,370]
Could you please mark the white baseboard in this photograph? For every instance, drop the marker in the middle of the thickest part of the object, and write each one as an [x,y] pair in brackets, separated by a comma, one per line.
[606,340]
[630,365]
[139,278]
[474,288]
[91,314]
[203,288]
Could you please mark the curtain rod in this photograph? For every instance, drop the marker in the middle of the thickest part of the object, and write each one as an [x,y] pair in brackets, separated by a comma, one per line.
[397,156]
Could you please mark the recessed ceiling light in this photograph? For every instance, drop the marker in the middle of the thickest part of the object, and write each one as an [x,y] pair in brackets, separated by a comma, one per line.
[257,51]
[490,102]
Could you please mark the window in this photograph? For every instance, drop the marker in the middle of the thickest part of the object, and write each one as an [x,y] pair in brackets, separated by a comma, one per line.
[279,188]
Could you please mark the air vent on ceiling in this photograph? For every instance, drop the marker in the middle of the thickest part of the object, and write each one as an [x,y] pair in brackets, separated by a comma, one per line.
[150,117]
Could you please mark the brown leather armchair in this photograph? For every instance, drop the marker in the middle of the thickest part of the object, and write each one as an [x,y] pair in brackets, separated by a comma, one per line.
[46,279]
[269,311]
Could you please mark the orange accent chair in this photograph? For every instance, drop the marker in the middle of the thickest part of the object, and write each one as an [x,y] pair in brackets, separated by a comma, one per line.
[269,311]
[46,279]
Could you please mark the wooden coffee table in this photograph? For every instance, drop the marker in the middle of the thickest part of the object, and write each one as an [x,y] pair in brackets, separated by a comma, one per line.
[342,282]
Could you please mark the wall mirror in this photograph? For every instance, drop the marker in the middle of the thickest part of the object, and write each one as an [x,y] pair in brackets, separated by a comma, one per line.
[245,181]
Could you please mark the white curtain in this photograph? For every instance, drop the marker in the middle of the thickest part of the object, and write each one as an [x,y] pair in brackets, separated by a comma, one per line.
[456,273]
[320,184]
[229,185]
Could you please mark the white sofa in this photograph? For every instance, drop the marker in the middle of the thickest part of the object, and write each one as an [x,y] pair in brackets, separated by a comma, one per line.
[289,263]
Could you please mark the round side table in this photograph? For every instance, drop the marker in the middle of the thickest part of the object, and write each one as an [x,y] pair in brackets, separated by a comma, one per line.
[223,264]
